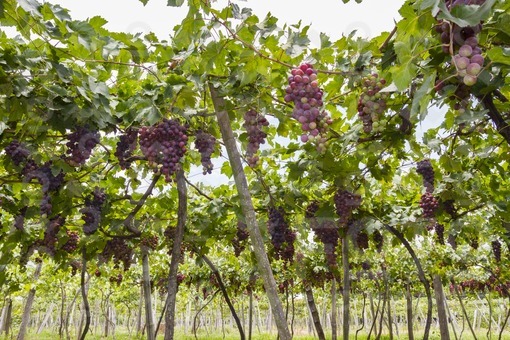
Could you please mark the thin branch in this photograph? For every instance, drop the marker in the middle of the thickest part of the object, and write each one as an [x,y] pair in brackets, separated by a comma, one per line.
[128,222]
[198,189]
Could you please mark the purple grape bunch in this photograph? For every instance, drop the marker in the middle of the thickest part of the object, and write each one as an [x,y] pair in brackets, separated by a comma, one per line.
[326,231]
[429,205]
[241,235]
[372,102]
[91,213]
[253,123]
[72,242]
[118,250]
[304,91]
[205,143]
[282,237]
[80,144]
[164,145]
[496,250]
[345,203]
[17,152]
[125,147]
[425,169]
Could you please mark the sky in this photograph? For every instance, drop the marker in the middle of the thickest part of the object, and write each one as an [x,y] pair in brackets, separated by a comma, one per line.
[332,17]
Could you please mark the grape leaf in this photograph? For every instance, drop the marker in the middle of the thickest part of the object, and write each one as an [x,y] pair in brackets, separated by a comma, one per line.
[499,55]
[175,3]
[466,15]
[144,2]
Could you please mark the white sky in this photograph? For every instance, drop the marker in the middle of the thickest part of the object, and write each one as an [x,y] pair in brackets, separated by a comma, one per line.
[332,17]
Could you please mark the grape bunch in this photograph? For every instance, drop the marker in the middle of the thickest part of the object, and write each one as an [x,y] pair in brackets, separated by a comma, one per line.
[150,242]
[303,90]
[204,143]
[118,250]
[19,219]
[253,123]
[467,56]
[473,242]
[75,266]
[372,102]
[72,242]
[429,205]
[92,211]
[449,207]
[327,232]
[44,176]
[439,228]
[362,240]
[116,279]
[425,169]
[378,239]
[345,203]
[282,237]
[164,145]
[241,235]
[125,147]
[80,144]
[50,235]
[311,209]
[496,250]
[17,152]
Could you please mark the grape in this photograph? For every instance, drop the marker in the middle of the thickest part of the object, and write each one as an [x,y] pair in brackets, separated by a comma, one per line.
[311,209]
[496,249]
[150,242]
[473,69]
[282,237]
[425,169]
[116,279]
[17,152]
[204,143]
[80,144]
[118,250]
[253,122]
[345,203]
[97,273]
[362,240]
[72,241]
[164,145]
[241,235]
[439,228]
[50,235]
[371,103]
[44,176]
[473,242]
[465,51]
[92,211]
[303,90]
[449,207]
[327,232]
[429,204]
[378,239]
[469,80]
[125,148]
[75,266]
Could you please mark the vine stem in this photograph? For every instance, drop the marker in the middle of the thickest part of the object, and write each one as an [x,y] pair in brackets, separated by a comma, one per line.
[250,216]
[421,275]
[84,293]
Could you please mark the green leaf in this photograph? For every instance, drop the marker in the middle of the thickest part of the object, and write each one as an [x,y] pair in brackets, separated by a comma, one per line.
[144,2]
[31,6]
[499,55]
[466,15]
[420,99]
[174,3]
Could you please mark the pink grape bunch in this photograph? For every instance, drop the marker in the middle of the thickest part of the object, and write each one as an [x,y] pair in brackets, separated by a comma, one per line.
[303,90]
[253,123]
[467,55]
[204,143]
[372,102]
[164,145]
